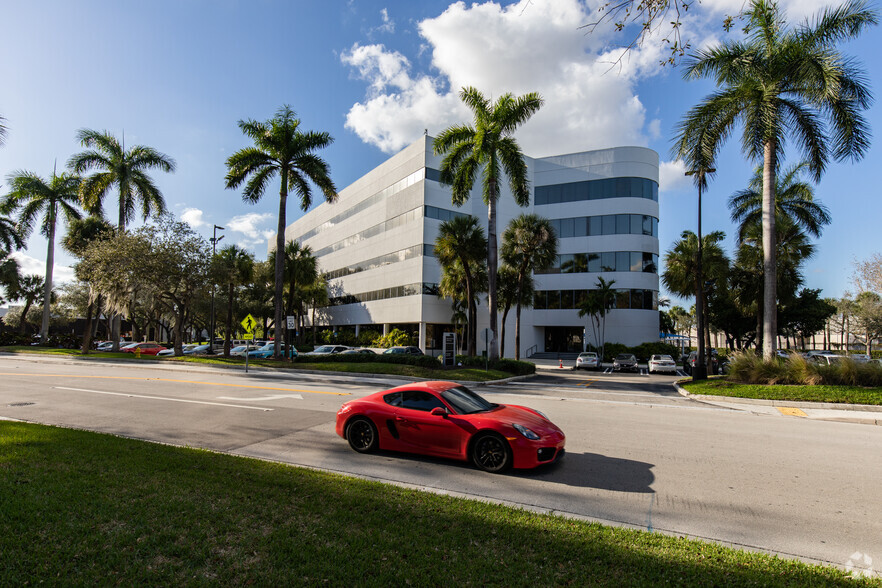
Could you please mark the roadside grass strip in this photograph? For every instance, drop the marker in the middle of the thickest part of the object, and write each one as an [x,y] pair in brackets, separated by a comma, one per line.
[797,393]
[461,374]
[85,508]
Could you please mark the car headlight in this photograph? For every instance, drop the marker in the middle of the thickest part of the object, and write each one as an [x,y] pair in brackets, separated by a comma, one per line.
[525,431]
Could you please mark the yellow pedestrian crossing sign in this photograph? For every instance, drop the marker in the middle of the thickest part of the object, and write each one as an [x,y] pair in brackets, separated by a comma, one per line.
[249,323]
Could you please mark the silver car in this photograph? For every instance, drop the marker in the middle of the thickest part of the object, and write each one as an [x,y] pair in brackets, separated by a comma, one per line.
[587,360]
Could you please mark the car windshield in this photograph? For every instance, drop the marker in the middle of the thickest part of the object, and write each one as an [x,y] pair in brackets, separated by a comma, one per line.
[464,401]
[324,349]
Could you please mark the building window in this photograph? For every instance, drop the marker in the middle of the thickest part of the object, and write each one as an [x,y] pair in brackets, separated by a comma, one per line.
[594,190]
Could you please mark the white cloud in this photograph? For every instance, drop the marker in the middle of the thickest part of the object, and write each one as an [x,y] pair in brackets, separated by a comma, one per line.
[193,217]
[32,266]
[589,103]
[248,224]
[672,176]
[388,25]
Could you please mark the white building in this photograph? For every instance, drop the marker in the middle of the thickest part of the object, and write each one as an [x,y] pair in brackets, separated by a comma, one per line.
[375,245]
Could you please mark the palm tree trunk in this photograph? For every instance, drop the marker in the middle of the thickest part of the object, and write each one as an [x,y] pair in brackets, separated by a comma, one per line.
[502,335]
[280,264]
[229,321]
[47,289]
[770,274]
[492,259]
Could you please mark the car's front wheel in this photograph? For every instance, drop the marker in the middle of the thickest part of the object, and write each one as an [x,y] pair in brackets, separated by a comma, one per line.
[491,453]
[362,435]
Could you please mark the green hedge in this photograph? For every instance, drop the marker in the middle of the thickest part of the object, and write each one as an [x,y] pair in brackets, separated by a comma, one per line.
[519,368]
[425,361]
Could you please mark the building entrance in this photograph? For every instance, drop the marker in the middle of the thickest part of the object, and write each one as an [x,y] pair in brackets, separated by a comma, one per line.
[564,339]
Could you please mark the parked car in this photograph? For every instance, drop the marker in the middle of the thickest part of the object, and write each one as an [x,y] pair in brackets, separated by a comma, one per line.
[689,362]
[826,359]
[860,357]
[326,349]
[148,348]
[239,350]
[197,349]
[184,348]
[625,362]
[361,351]
[662,363]
[400,350]
[446,419]
[267,351]
[814,352]
[587,360]
[108,345]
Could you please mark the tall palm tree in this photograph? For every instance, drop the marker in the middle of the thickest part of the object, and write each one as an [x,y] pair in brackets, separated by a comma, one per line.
[30,289]
[681,276]
[488,148]
[280,148]
[115,166]
[316,294]
[779,83]
[80,234]
[461,241]
[300,270]
[794,198]
[529,243]
[9,237]
[453,286]
[31,197]
[232,266]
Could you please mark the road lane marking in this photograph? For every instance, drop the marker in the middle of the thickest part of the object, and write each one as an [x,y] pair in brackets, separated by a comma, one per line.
[263,398]
[791,411]
[128,395]
[181,382]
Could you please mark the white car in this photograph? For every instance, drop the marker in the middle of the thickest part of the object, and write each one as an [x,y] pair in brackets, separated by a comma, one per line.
[327,349]
[587,360]
[662,363]
[188,349]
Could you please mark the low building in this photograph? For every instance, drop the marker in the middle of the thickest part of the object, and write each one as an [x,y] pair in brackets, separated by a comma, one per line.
[375,244]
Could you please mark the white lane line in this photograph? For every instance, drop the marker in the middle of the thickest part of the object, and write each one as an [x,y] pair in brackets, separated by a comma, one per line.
[163,398]
[263,398]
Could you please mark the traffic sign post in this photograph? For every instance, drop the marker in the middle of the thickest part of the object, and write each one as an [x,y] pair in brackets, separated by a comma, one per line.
[249,324]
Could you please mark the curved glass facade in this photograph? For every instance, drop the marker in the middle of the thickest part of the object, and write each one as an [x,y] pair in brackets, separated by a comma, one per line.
[597,190]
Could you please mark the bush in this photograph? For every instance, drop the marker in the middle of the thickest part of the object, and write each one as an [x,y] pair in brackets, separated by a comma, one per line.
[747,367]
[425,361]
[369,338]
[10,338]
[395,338]
[512,366]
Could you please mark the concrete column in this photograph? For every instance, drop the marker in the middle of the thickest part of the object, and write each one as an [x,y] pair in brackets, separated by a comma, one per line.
[385,329]
[422,342]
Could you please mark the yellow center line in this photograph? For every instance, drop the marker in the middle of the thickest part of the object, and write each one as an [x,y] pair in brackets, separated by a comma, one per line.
[180,382]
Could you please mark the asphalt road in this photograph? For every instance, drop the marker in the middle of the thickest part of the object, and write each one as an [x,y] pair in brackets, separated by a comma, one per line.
[638,454]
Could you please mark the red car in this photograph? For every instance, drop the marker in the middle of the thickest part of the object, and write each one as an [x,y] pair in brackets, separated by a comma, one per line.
[446,419]
[143,348]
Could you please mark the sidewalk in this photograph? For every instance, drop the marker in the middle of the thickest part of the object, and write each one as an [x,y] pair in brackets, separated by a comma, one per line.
[821,411]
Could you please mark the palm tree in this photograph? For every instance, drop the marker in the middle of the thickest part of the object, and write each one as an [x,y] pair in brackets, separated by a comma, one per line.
[301,270]
[281,148]
[316,294]
[681,276]
[781,82]
[127,171]
[453,286]
[596,305]
[2,131]
[9,235]
[80,234]
[529,243]
[233,266]
[794,198]
[30,289]
[33,196]
[488,148]
[461,241]
[512,292]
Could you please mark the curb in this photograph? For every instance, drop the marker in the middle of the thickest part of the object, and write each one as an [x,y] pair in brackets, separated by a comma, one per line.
[791,403]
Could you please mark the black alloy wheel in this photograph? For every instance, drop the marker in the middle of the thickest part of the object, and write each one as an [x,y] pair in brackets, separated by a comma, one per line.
[362,435]
[491,453]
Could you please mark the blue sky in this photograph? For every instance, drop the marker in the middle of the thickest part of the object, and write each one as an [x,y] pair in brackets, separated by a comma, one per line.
[178,75]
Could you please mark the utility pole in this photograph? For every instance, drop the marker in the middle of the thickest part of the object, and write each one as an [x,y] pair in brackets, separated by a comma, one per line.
[214,239]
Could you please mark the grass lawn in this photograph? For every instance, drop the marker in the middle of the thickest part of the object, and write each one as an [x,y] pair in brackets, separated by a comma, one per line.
[459,374]
[839,394]
[92,509]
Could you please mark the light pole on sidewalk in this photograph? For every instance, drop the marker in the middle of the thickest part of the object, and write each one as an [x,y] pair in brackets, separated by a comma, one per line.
[699,372]
[214,239]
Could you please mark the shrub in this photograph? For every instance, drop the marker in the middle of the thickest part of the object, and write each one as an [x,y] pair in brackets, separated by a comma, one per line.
[748,368]
[369,338]
[395,338]
[512,366]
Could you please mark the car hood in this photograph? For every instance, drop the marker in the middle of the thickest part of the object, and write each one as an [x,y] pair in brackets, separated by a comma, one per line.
[509,413]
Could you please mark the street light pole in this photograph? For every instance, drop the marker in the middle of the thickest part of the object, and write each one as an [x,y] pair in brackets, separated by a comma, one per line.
[214,239]
[699,372]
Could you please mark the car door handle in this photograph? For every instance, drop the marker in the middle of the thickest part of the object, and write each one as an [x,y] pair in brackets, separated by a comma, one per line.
[400,418]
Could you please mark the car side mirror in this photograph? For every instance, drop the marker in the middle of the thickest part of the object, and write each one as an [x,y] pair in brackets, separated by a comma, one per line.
[439,411]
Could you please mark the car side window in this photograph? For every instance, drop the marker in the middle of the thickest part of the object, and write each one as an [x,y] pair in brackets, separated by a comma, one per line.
[393,399]
[418,400]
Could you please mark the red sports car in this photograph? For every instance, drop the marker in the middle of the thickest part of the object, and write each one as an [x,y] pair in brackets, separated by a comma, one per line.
[446,419]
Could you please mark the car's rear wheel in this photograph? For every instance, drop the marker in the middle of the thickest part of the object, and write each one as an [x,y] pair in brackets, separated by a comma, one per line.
[491,453]
[362,435]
